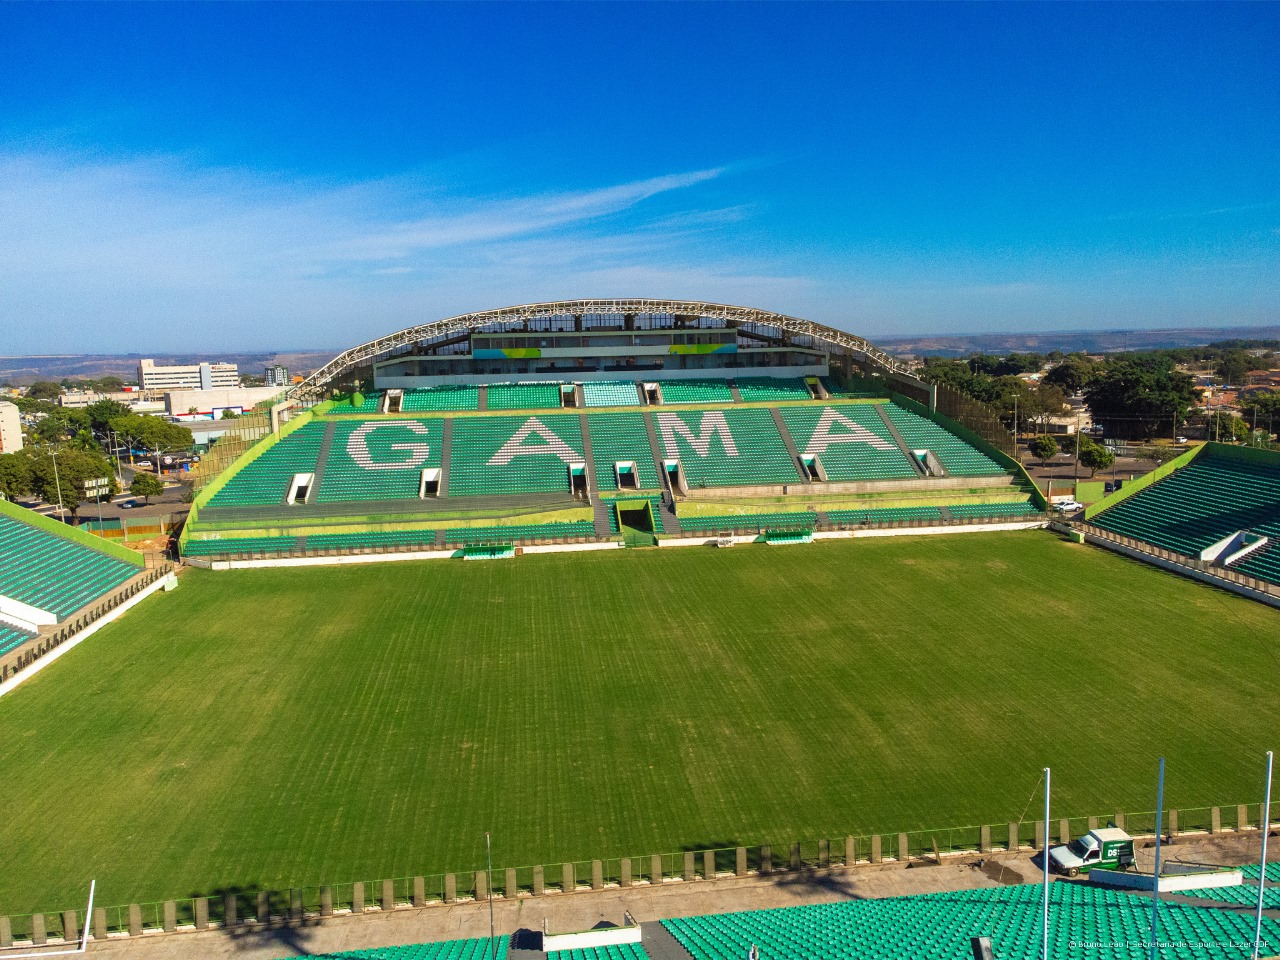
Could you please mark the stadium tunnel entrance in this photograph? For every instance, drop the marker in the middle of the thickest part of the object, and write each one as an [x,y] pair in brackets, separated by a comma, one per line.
[636,521]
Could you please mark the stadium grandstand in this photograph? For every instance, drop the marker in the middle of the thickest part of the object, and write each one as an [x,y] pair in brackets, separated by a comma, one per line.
[1084,922]
[609,422]
[50,573]
[1217,507]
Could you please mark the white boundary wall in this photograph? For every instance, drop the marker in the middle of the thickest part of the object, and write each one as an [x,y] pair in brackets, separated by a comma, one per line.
[1169,883]
[604,937]
[167,582]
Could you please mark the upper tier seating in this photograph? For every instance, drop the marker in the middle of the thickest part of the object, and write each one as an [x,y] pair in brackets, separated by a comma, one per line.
[11,637]
[267,479]
[441,398]
[940,925]
[613,393]
[835,391]
[505,455]
[753,452]
[524,396]
[372,403]
[960,459]
[754,389]
[380,459]
[1198,505]
[54,573]
[621,437]
[696,391]
[850,440]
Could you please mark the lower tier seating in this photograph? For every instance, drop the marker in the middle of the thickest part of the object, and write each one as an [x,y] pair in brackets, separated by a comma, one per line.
[850,440]
[475,949]
[54,573]
[960,459]
[621,951]
[719,448]
[379,459]
[621,438]
[799,519]
[1024,510]
[266,479]
[230,546]
[513,532]
[507,455]
[874,515]
[371,539]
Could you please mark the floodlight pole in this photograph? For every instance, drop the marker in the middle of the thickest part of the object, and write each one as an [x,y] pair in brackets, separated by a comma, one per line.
[1155,884]
[1044,934]
[1262,877]
[488,854]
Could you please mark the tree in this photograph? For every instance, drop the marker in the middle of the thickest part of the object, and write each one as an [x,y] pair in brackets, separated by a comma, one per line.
[1094,456]
[61,483]
[15,475]
[1234,366]
[1140,396]
[228,414]
[1073,374]
[146,485]
[101,414]
[152,433]
[44,390]
[1044,448]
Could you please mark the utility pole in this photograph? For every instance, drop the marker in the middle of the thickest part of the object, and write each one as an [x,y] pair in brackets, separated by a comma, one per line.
[56,482]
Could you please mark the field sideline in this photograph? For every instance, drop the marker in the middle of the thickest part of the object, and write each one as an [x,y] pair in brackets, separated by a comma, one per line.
[298,727]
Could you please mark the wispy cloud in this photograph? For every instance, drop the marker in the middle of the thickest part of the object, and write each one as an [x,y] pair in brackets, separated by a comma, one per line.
[156,253]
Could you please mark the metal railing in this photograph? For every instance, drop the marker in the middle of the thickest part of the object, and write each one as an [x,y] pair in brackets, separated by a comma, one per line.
[244,906]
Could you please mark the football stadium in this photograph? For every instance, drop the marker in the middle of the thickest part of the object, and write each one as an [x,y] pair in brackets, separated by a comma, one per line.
[886,634]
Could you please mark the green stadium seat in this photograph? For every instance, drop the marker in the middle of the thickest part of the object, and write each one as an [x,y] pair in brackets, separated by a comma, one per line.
[379,459]
[728,447]
[237,546]
[1203,502]
[12,637]
[266,479]
[696,391]
[756,389]
[444,398]
[850,440]
[610,393]
[621,438]
[958,457]
[55,573]
[495,456]
[524,396]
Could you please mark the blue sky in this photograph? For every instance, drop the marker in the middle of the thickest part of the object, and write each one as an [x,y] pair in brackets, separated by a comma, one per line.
[239,176]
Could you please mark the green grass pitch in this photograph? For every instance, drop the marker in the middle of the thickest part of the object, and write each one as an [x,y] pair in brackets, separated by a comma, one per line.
[298,727]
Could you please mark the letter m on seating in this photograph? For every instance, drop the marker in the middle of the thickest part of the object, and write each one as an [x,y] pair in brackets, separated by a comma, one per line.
[713,424]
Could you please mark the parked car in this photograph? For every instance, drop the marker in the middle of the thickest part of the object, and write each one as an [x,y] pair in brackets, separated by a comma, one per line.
[1068,506]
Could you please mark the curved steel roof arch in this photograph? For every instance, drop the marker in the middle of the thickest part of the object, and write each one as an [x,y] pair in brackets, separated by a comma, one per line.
[313,385]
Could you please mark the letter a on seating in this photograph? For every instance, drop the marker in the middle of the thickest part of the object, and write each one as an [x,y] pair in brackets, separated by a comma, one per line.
[516,446]
[823,437]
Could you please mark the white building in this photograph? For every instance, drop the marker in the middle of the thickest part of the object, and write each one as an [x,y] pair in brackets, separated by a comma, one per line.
[196,376]
[10,428]
[186,405]
[277,375]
